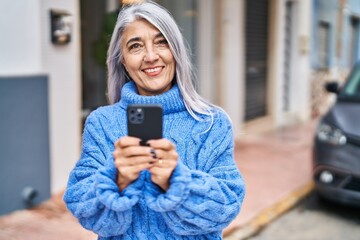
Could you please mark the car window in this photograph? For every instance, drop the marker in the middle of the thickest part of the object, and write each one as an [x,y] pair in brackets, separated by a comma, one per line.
[351,89]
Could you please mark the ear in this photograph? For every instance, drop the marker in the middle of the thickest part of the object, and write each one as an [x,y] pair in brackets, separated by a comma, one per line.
[125,68]
[124,65]
[122,61]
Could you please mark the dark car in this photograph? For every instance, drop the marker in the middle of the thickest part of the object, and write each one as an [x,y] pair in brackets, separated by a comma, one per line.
[336,155]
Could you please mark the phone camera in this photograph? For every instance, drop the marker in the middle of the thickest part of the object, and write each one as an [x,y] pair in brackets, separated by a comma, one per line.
[136,116]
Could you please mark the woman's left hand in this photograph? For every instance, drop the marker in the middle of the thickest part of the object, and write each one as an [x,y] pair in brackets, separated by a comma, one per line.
[167,157]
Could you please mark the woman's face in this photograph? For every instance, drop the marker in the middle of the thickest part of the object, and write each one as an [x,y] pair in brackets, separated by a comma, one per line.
[147,58]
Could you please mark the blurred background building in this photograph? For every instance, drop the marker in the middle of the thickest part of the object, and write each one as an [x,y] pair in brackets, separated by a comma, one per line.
[335,46]
[263,61]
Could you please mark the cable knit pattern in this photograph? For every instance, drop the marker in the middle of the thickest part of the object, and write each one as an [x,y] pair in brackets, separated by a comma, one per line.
[206,189]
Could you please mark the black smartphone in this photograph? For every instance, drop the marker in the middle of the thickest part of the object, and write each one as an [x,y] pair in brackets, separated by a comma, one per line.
[145,121]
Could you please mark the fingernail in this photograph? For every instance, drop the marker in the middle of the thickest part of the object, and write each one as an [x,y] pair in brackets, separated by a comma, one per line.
[143,143]
[153,153]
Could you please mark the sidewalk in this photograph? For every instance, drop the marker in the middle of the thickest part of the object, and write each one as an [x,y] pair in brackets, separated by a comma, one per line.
[276,168]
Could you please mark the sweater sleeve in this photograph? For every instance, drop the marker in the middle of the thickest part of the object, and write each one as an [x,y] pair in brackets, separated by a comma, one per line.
[205,199]
[92,195]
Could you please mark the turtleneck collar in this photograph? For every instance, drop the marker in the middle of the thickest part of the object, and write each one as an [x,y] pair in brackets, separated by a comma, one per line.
[171,100]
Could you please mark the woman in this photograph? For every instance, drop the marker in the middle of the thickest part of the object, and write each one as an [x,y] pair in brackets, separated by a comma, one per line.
[183,186]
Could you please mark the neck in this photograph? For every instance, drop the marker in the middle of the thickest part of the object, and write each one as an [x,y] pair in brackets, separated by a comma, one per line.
[171,100]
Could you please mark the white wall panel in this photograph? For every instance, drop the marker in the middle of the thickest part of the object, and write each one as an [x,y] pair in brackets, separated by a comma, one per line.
[20,49]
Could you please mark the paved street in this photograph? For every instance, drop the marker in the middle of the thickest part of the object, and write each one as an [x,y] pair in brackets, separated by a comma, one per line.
[314,219]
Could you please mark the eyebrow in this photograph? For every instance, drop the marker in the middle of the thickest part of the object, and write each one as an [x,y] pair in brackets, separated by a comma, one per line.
[159,35]
[134,39]
[137,39]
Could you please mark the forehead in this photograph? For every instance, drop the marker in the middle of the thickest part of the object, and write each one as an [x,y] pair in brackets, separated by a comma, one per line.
[139,28]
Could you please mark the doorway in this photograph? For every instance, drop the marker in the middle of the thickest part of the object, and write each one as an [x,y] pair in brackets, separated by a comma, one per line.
[257,19]
[98,20]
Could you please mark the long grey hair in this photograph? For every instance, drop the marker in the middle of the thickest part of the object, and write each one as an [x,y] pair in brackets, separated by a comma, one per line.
[163,21]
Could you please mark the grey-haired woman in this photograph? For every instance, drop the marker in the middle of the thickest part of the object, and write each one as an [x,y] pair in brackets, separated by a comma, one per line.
[183,186]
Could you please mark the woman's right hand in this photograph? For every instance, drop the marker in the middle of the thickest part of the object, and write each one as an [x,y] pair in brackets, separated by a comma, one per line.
[130,159]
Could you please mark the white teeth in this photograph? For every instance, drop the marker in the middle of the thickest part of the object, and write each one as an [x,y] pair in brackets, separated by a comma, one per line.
[152,70]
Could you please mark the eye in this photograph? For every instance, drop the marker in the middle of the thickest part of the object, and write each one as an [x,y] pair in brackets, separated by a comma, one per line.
[135,47]
[162,42]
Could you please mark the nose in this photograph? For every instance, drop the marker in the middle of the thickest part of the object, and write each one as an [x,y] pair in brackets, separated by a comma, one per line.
[151,55]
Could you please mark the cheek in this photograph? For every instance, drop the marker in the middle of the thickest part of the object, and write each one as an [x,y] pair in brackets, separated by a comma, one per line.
[171,61]
[173,66]
[129,64]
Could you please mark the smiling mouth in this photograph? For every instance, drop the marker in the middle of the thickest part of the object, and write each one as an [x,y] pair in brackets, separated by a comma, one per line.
[153,71]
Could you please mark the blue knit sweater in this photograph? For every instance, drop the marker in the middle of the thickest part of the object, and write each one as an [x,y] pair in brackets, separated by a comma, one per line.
[206,189]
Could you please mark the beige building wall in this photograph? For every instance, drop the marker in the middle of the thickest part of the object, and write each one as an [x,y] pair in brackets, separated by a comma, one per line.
[26,50]
[221,56]
[228,51]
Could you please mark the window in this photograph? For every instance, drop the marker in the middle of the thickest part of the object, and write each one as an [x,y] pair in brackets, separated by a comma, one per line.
[185,14]
[351,89]
[323,44]
[354,40]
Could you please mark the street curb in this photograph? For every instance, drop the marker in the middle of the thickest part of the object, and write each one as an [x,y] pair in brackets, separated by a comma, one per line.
[271,213]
